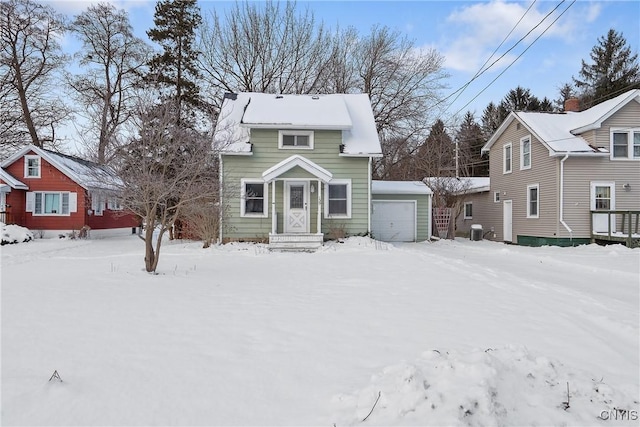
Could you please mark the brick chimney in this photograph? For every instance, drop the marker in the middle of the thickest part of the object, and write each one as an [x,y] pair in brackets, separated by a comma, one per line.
[572,104]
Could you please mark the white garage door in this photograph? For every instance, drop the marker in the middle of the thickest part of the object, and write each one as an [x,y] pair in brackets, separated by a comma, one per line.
[394,221]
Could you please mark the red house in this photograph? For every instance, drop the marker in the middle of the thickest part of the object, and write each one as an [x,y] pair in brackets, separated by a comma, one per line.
[49,191]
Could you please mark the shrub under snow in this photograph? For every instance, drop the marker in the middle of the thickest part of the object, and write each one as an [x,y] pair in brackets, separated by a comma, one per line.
[15,234]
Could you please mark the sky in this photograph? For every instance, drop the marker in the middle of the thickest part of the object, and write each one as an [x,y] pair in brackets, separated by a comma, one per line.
[466,34]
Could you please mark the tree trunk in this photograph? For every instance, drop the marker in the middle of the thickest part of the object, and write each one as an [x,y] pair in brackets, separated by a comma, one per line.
[150,258]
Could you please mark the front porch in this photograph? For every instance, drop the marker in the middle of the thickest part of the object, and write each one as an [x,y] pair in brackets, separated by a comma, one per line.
[605,228]
[296,205]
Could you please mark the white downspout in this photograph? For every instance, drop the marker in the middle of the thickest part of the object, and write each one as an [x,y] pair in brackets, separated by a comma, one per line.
[369,204]
[220,201]
[562,197]
[319,218]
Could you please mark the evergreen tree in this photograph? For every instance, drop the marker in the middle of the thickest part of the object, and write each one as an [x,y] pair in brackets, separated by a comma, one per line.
[175,68]
[470,142]
[614,70]
[436,156]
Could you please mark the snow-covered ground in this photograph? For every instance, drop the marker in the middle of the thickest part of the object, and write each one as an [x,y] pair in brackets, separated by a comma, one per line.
[446,333]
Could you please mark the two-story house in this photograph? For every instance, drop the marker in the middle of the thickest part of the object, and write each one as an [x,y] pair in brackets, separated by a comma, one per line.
[552,173]
[297,168]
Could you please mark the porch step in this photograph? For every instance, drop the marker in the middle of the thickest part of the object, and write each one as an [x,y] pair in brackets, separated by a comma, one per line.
[297,242]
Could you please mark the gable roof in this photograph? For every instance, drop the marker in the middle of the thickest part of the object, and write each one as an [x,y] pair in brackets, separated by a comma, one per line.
[296,160]
[350,113]
[560,132]
[11,181]
[89,175]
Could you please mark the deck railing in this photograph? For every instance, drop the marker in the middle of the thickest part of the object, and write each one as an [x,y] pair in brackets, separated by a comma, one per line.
[629,227]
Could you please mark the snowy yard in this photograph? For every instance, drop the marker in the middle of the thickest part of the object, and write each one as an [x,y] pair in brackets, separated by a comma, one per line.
[446,333]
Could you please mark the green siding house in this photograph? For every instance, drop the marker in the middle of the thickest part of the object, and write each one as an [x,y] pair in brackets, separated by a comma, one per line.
[296,169]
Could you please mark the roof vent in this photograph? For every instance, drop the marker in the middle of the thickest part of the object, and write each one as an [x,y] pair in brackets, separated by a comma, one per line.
[231,96]
[279,96]
[315,97]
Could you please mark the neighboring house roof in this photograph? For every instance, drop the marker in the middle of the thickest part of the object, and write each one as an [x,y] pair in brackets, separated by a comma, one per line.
[560,132]
[89,175]
[462,185]
[350,113]
[11,181]
[399,187]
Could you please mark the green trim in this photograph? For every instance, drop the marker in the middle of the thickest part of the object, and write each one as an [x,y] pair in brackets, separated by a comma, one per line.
[551,241]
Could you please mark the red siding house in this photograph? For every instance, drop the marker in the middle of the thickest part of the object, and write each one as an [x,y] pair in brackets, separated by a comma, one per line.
[56,193]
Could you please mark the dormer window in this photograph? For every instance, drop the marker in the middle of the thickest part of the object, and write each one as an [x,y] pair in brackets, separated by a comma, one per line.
[295,139]
[32,166]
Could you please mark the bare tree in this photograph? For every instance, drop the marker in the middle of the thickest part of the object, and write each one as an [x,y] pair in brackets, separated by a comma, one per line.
[112,57]
[30,57]
[263,48]
[164,170]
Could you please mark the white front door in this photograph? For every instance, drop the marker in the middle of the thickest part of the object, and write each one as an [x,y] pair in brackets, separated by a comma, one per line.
[296,195]
[507,221]
[603,199]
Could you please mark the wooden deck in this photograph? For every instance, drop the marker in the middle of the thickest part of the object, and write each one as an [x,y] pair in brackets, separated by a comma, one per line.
[626,230]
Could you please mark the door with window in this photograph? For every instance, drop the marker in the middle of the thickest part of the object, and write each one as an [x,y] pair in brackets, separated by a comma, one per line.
[507,221]
[603,199]
[296,207]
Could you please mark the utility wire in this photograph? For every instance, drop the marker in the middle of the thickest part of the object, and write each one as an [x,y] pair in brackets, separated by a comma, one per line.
[518,57]
[481,70]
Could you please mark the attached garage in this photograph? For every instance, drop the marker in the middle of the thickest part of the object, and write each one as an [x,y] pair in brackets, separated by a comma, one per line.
[400,211]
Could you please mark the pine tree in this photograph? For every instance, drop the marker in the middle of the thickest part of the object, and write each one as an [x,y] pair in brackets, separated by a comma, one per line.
[175,68]
[470,143]
[614,70]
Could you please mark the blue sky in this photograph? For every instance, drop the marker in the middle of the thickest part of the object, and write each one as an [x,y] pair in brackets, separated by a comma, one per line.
[466,34]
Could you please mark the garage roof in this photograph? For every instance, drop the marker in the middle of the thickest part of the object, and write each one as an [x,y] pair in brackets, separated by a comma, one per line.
[399,187]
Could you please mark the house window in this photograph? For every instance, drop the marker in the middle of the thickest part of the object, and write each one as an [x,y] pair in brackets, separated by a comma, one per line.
[51,203]
[602,198]
[468,210]
[496,196]
[533,201]
[298,139]
[31,166]
[254,198]
[338,199]
[525,153]
[97,203]
[625,144]
[507,157]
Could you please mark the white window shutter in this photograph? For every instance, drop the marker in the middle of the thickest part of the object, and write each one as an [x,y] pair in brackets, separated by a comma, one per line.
[31,201]
[73,202]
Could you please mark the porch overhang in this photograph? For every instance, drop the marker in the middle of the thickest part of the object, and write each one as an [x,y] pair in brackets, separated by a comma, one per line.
[296,160]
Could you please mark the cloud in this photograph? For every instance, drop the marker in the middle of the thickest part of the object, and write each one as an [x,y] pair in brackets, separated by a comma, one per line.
[476,30]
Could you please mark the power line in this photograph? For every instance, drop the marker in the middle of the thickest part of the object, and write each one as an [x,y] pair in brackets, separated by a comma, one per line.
[481,70]
[519,56]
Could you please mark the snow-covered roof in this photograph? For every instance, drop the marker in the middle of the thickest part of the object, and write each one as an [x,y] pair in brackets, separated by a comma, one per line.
[11,181]
[350,113]
[462,185]
[560,133]
[399,187]
[85,173]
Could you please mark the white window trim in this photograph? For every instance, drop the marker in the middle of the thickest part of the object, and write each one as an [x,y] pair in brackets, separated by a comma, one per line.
[72,200]
[26,166]
[308,133]
[326,198]
[265,204]
[464,210]
[522,141]
[496,197]
[529,187]
[504,158]
[629,132]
